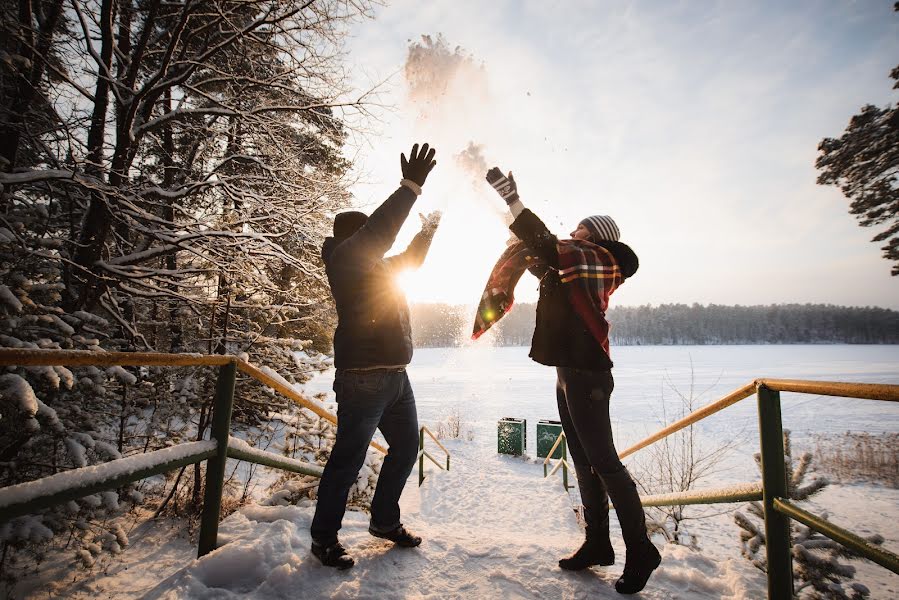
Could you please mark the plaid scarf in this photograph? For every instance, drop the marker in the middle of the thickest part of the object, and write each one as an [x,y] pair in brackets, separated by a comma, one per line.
[590,274]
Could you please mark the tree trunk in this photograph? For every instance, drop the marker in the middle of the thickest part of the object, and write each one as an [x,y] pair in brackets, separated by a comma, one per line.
[96,222]
[35,51]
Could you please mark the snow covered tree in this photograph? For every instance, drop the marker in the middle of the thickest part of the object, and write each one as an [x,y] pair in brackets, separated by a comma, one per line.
[864,163]
[167,174]
[818,573]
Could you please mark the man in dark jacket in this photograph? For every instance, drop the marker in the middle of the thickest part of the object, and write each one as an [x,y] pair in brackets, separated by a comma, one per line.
[372,346]
[577,277]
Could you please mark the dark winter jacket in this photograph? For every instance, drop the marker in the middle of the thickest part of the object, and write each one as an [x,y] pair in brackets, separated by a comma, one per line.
[561,339]
[372,314]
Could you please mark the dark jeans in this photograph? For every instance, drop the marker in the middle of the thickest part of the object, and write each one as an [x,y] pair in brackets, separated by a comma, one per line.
[583,398]
[368,400]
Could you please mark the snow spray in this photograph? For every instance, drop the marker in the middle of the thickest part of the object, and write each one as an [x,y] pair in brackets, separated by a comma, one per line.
[448,96]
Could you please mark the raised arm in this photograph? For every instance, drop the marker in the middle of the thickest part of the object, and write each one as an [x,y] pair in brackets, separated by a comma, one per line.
[378,234]
[526,226]
[414,255]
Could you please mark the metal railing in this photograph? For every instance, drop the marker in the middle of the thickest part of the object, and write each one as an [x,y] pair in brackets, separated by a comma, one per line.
[422,453]
[563,461]
[25,498]
[773,488]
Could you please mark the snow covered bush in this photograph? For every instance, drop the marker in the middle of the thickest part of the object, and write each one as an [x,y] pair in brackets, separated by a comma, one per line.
[818,573]
[679,463]
[54,418]
[450,426]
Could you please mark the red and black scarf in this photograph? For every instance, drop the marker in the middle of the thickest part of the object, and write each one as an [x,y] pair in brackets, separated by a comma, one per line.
[589,272]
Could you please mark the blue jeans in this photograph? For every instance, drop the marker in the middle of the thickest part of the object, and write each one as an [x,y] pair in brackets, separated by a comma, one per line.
[368,400]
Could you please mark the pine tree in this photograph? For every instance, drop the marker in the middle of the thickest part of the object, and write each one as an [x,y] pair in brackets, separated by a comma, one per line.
[818,573]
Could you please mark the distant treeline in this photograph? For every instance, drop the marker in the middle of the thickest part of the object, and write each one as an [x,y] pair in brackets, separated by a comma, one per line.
[436,325]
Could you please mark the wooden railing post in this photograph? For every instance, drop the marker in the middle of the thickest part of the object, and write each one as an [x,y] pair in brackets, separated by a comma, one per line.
[774,481]
[215,466]
[565,467]
[421,456]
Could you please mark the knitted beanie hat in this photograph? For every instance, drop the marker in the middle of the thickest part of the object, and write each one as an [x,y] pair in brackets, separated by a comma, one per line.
[348,223]
[602,227]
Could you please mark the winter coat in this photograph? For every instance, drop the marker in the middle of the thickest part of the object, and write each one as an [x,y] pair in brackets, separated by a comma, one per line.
[561,339]
[373,327]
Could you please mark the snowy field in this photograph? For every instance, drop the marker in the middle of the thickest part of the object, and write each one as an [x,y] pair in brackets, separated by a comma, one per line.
[493,527]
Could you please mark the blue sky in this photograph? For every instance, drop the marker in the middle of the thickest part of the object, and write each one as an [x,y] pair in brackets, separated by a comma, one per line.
[694,124]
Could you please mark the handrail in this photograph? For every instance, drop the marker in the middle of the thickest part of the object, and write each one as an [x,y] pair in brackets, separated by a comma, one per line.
[697,415]
[882,557]
[72,358]
[436,441]
[292,394]
[778,510]
[422,453]
[27,497]
[29,357]
[864,391]
[747,492]
[563,462]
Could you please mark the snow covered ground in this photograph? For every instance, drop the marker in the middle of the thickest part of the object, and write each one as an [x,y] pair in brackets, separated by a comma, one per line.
[492,528]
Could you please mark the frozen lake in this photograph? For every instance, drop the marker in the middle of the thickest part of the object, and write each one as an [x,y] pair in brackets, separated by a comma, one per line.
[486,384]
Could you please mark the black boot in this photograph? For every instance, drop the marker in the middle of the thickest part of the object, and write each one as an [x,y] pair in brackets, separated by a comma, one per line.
[332,555]
[589,554]
[642,557]
[399,536]
[637,569]
[597,548]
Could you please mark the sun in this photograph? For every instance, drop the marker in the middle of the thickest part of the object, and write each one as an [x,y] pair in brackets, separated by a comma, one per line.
[408,281]
[466,246]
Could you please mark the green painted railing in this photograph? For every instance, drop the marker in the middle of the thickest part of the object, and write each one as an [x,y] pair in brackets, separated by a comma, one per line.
[25,498]
[422,453]
[772,490]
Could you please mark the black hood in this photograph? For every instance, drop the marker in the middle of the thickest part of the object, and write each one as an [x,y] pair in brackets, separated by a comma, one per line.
[627,259]
[328,247]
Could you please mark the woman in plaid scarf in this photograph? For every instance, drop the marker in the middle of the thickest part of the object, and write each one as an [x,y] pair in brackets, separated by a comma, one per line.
[577,276]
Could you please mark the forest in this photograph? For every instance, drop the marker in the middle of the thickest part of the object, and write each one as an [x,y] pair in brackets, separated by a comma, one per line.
[168,172]
[436,325]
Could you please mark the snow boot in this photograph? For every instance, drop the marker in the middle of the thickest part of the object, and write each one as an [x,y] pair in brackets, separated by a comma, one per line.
[399,536]
[637,570]
[591,553]
[597,548]
[333,555]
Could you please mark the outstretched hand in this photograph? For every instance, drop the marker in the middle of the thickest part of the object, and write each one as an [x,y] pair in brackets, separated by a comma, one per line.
[504,185]
[430,222]
[419,164]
